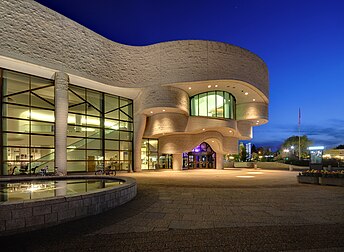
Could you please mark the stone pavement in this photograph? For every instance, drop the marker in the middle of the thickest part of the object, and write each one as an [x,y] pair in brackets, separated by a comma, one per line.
[202,210]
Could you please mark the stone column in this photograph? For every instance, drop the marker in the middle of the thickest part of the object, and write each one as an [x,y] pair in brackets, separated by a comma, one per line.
[61,121]
[139,128]
[177,161]
[219,161]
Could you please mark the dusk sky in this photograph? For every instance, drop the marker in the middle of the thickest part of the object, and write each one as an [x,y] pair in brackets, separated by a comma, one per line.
[301,41]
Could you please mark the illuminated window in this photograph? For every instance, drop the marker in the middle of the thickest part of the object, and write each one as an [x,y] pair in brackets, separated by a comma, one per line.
[100,130]
[27,123]
[218,104]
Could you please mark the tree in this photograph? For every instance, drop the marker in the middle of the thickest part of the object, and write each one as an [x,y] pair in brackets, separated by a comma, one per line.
[339,147]
[292,145]
[243,153]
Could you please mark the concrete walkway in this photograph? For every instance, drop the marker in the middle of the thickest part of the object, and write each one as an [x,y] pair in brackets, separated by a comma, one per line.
[202,210]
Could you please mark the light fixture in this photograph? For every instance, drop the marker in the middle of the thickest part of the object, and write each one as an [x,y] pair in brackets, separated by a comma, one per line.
[212,141]
[163,110]
[151,112]
[215,85]
[258,121]
[230,131]
[253,99]
[246,93]
[203,129]
[189,87]
[209,86]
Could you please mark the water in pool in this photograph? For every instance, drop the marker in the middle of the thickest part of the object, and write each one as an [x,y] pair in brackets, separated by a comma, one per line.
[28,190]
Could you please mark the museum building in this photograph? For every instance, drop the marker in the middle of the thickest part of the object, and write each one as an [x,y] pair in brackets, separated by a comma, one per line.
[74,101]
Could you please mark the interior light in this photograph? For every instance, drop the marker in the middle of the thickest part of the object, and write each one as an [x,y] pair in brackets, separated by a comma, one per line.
[253,99]
[246,93]
[209,86]
[230,131]
[151,112]
[189,87]
[215,85]
[163,110]
[203,129]
[245,176]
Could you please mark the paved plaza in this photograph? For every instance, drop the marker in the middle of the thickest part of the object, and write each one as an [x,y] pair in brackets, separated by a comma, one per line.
[207,210]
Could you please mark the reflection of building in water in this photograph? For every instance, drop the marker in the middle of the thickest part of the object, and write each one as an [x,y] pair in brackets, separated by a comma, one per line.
[78,102]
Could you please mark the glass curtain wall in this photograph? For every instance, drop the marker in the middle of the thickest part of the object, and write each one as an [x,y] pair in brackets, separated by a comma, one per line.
[27,128]
[218,104]
[149,154]
[100,130]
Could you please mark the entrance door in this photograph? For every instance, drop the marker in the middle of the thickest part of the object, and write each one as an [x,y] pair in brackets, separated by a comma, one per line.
[202,156]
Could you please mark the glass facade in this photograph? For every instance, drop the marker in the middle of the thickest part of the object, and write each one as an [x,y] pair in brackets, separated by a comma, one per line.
[100,130]
[218,104]
[149,154]
[27,123]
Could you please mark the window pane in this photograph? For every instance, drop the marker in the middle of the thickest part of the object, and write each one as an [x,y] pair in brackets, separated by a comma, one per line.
[16,125]
[42,115]
[76,154]
[75,142]
[112,155]
[211,104]
[227,105]
[112,134]
[93,144]
[202,101]
[125,145]
[93,98]
[125,135]
[42,127]
[111,145]
[128,110]
[153,145]
[91,121]
[43,98]
[16,111]
[194,106]
[76,166]
[111,103]
[113,114]
[42,141]
[37,82]
[16,139]
[111,124]
[15,82]
[219,104]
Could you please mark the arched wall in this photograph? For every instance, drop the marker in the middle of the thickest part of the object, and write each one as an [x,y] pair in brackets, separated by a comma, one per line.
[36,34]
[183,143]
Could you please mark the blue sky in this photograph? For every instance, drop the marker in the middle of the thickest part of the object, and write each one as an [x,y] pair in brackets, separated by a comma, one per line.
[302,42]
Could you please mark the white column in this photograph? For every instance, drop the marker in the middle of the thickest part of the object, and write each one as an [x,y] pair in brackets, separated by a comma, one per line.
[219,161]
[139,128]
[177,161]
[61,121]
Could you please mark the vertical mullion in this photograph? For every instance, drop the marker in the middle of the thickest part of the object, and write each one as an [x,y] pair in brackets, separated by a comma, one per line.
[2,170]
[102,123]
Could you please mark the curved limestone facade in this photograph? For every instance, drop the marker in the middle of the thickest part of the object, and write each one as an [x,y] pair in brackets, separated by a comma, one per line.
[159,78]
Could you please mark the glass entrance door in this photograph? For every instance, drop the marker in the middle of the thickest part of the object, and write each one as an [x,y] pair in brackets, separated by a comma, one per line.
[202,156]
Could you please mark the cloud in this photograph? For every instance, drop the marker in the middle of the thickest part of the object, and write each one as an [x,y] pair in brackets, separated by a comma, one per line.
[329,134]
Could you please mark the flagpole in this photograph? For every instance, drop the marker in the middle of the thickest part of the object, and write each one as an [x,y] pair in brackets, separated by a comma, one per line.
[299,134]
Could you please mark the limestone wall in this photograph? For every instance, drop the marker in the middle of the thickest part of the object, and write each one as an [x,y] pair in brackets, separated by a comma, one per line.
[36,34]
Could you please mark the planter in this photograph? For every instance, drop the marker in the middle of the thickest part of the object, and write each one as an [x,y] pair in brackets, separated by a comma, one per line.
[308,179]
[331,181]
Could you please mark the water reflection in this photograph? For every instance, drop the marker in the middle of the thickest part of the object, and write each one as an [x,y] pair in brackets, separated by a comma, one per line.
[26,190]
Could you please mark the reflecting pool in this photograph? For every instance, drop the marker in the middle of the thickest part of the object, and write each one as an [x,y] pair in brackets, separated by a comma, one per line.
[39,189]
